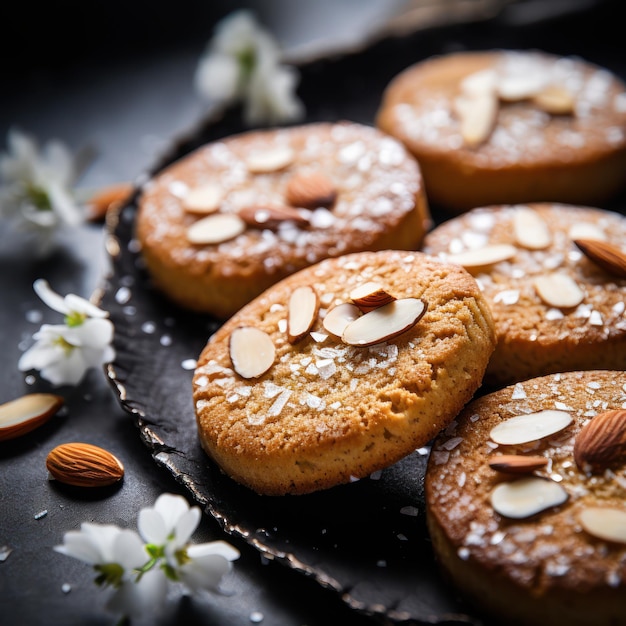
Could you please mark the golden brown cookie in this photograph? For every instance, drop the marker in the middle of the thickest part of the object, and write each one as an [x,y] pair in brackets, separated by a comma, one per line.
[555,307]
[340,370]
[526,501]
[227,221]
[507,126]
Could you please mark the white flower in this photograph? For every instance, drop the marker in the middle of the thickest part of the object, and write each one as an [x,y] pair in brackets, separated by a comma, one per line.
[242,64]
[168,527]
[36,186]
[64,352]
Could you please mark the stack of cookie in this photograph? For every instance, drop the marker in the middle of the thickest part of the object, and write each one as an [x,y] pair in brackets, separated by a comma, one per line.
[357,332]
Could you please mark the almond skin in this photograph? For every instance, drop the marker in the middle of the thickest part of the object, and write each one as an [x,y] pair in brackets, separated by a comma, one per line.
[601,443]
[84,465]
[609,257]
[517,463]
[310,190]
[271,216]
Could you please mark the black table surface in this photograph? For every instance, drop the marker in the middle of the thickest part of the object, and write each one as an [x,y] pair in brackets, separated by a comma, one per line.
[120,79]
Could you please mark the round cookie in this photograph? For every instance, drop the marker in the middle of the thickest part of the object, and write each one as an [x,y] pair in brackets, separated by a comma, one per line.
[224,223]
[544,546]
[510,126]
[555,308]
[329,406]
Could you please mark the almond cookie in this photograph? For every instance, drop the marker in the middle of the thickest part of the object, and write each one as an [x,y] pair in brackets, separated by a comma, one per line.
[340,370]
[555,278]
[526,501]
[224,223]
[508,126]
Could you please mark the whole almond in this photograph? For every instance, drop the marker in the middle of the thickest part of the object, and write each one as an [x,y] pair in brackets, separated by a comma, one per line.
[517,463]
[310,190]
[84,465]
[601,443]
[609,257]
[271,216]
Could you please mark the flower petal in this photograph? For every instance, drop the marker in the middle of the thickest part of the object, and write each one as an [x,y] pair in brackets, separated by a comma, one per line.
[40,355]
[49,297]
[138,599]
[172,508]
[152,526]
[222,548]
[93,333]
[186,526]
[82,305]
[80,546]
[67,371]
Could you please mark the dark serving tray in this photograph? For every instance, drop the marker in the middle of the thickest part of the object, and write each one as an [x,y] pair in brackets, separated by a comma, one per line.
[366,541]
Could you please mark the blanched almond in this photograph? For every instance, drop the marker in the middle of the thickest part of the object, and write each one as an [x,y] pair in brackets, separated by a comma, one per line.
[271,216]
[303,307]
[601,442]
[252,351]
[517,463]
[271,160]
[481,257]
[339,317]
[384,323]
[310,190]
[531,230]
[604,522]
[204,199]
[610,258]
[555,99]
[216,228]
[530,427]
[586,230]
[478,115]
[24,414]
[84,465]
[558,290]
[369,296]
[526,497]
[515,87]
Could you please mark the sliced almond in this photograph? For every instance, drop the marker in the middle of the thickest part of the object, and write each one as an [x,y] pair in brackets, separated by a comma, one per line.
[310,190]
[477,114]
[481,82]
[108,199]
[530,427]
[531,230]
[481,257]
[384,323]
[271,160]
[558,290]
[604,522]
[526,497]
[517,463]
[585,230]
[339,317]
[204,199]
[555,99]
[24,414]
[515,87]
[84,465]
[216,228]
[303,308]
[601,443]
[252,351]
[610,258]
[271,216]
[369,296]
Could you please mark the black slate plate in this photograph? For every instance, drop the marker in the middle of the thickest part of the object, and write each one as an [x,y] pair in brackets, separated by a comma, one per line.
[367,541]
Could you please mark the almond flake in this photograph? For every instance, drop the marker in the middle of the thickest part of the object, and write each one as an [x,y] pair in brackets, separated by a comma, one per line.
[487,255]
[370,296]
[216,228]
[384,323]
[517,463]
[601,442]
[477,114]
[531,231]
[339,317]
[271,216]
[609,257]
[204,199]
[303,308]
[585,230]
[555,99]
[526,497]
[24,414]
[605,523]
[530,427]
[252,351]
[310,190]
[516,87]
[481,82]
[268,161]
[558,290]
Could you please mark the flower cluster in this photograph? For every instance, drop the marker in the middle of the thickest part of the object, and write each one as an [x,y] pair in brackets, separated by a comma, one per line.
[242,64]
[36,187]
[139,566]
[64,352]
